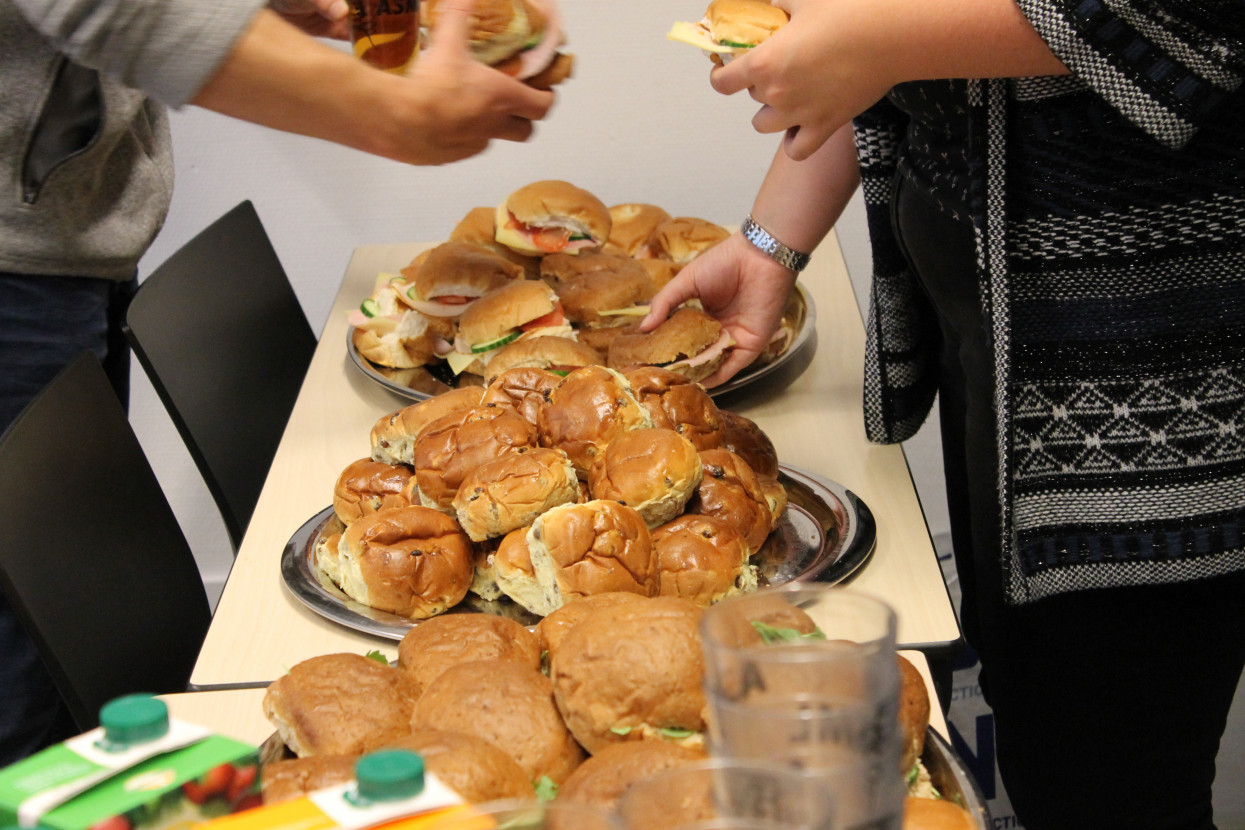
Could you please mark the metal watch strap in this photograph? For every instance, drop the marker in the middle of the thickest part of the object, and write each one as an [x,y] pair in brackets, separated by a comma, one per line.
[772,248]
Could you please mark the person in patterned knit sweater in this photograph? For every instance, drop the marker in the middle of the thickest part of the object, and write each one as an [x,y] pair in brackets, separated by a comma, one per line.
[1059,256]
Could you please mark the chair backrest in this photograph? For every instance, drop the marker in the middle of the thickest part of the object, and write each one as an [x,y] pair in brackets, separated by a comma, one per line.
[93,560]
[220,332]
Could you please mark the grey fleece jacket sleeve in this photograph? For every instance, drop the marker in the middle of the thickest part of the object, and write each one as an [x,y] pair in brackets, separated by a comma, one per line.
[167,48]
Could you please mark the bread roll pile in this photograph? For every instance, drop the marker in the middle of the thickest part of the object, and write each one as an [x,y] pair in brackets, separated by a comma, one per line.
[538,489]
[599,266]
[603,692]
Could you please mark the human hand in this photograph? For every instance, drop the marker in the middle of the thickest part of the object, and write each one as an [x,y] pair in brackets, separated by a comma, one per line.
[740,286]
[816,73]
[321,18]
[460,104]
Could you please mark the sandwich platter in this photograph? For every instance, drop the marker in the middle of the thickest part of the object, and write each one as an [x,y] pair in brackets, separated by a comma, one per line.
[826,534]
[424,382]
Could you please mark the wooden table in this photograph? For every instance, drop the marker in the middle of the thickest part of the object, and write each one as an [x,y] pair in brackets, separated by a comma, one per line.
[811,408]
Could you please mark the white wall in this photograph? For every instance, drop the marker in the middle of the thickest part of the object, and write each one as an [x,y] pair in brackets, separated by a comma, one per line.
[638,122]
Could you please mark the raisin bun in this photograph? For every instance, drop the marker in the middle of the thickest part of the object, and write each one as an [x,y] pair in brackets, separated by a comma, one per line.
[450,447]
[366,486]
[589,408]
[742,436]
[411,561]
[702,559]
[393,436]
[655,471]
[582,549]
[526,389]
[510,491]
[729,490]
[633,672]
[676,402]
[339,704]
[508,705]
[471,766]
[434,645]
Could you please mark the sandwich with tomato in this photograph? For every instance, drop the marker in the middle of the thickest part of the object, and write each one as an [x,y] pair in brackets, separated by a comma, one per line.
[445,280]
[520,309]
[552,216]
[730,27]
[522,38]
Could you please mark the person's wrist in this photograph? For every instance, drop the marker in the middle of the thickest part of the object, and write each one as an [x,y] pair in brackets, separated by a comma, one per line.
[765,242]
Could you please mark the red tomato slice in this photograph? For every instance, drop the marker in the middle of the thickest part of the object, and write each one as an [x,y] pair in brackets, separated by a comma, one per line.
[553,318]
[550,240]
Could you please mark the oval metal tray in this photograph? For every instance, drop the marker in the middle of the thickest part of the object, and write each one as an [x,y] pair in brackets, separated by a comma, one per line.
[950,775]
[825,536]
[424,382]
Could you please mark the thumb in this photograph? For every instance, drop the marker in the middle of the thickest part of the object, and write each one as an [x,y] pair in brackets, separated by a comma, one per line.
[453,24]
[674,293]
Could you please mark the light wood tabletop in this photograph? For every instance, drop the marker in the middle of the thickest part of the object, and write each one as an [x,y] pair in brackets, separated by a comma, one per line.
[811,408]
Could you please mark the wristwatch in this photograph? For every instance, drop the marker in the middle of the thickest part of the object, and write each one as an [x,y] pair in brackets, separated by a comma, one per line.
[772,248]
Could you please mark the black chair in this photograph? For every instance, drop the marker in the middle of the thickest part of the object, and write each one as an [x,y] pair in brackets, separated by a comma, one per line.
[93,560]
[221,334]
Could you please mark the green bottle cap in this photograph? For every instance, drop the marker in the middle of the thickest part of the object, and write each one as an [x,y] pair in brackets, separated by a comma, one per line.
[389,775]
[133,719]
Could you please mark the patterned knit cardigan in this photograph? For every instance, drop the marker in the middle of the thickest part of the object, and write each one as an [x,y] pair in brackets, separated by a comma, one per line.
[1109,207]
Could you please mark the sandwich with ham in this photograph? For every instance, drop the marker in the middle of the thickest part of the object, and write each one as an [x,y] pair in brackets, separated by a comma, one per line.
[730,28]
[445,281]
[552,216]
[520,309]
[522,38]
[689,342]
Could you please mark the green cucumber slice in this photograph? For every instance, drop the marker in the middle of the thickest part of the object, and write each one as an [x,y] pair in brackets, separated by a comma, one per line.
[370,307]
[495,344]
[737,44]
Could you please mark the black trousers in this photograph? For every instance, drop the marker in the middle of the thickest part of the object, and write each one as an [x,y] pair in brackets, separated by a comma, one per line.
[1109,704]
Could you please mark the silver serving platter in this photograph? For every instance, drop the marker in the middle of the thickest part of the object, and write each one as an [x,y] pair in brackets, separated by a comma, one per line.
[825,536]
[949,774]
[424,382]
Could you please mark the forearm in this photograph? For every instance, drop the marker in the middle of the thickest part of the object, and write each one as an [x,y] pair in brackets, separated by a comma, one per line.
[279,77]
[799,201]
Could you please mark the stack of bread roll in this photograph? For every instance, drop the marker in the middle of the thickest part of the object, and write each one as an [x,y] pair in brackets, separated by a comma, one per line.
[584,273]
[603,692]
[541,488]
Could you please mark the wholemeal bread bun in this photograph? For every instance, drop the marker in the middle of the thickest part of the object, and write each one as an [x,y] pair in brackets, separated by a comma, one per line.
[526,389]
[660,271]
[554,627]
[366,486]
[559,355]
[676,402]
[551,216]
[607,294]
[583,549]
[339,704]
[653,470]
[393,436]
[452,275]
[702,559]
[508,705]
[510,491]
[633,672]
[517,309]
[471,766]
[631,225]
[290,778]
[913,712]
[434,645]
[452,446]
[935,814]
[603,778]
[743,437]
[729,490]
[518,37]
[412,561]
[682,239]
[478,227]
[589,408]
[689,342]
[601,338]
[404,340]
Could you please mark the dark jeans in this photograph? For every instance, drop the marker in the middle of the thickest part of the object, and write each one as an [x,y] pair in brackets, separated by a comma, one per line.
[45,322]
[1108,704]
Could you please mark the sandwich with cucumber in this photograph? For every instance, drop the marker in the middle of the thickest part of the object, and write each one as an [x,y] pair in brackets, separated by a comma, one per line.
[552,216]
[522,38]
[520,309]
[730,28]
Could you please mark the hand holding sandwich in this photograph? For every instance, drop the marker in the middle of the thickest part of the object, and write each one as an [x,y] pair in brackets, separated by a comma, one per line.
[834,60]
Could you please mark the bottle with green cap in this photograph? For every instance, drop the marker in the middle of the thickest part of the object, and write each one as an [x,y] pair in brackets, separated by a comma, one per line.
[388,775]
[130,720]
